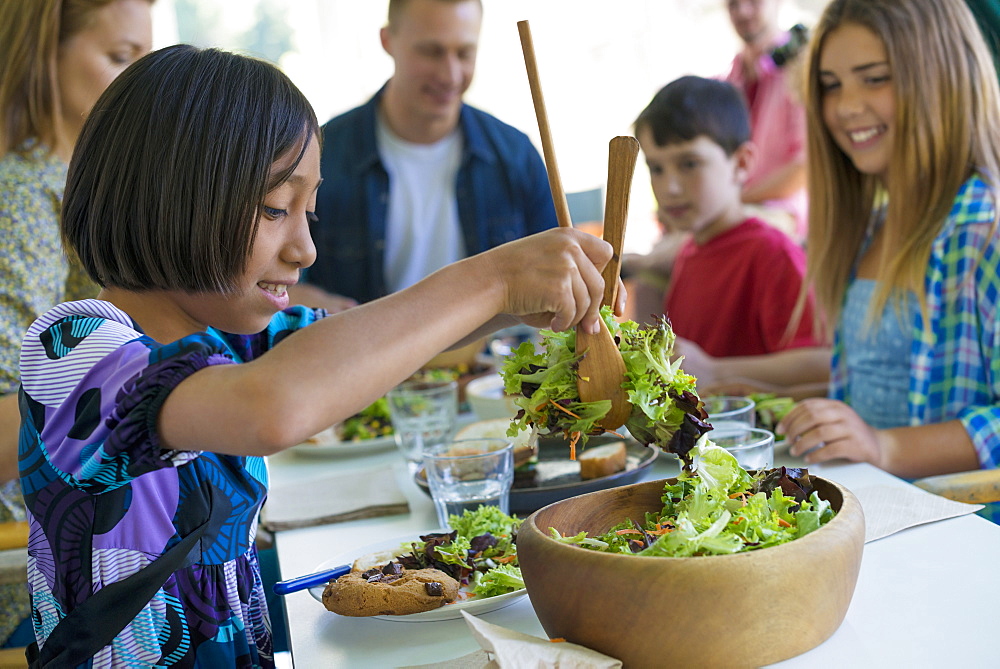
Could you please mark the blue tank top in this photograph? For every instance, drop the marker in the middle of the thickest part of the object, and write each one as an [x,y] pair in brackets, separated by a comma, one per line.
[878,357]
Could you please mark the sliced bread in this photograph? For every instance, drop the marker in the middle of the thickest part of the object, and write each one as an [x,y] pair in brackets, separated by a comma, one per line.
[603,460]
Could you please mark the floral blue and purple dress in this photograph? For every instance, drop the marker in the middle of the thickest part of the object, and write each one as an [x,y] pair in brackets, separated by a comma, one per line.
[104,499]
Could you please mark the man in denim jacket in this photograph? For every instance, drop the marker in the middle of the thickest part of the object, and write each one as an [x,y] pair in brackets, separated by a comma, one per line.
[415,179]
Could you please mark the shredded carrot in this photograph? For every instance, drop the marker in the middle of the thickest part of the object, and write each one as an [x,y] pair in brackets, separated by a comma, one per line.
[662,530]
[784,523]
[572,445]
[505,559]
[563,409]
[558,639]
[628,531]
[739,519]
[617,434]
[541,406]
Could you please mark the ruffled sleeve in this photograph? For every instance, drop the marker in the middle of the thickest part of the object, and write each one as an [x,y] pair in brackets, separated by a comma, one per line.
[132,423]
[92,389]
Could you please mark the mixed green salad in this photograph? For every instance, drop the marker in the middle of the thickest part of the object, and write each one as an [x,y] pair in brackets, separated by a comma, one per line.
[479,552]
[371,422]
[770,409]
[666,411]
[375,421]
[716,508]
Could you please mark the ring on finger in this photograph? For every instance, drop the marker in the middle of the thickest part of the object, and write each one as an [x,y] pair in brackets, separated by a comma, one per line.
[815,448]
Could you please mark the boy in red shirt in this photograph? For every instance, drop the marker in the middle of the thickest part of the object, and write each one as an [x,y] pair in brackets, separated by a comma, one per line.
[736,279]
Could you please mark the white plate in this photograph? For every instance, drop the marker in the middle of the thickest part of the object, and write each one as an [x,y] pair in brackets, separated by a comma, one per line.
[446,612]
[335,447]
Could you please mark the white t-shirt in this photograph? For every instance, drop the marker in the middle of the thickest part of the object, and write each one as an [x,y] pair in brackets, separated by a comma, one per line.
[423,233]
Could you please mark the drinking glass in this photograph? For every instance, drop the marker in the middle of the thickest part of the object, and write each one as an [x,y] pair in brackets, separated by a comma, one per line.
[752,447]
[467,473]
[729,411]
[423,416]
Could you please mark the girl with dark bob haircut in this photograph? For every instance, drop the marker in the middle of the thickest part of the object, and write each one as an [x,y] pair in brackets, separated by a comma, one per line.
[146,411]
[208,186]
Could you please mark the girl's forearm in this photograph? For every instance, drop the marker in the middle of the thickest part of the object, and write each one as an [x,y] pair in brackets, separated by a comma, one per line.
[328,371]
[799,367]
[927,450]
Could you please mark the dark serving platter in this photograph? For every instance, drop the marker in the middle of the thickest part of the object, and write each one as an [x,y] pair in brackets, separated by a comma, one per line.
[557,477]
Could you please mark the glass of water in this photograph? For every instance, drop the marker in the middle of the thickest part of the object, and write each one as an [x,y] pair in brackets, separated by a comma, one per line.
[729,411]
[423,416]
[752,447]
[467,473]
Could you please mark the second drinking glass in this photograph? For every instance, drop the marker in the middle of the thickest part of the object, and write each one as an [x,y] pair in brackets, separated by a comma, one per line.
[423,415]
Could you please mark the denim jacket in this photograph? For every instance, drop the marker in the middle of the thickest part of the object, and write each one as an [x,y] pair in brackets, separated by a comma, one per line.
[502,191]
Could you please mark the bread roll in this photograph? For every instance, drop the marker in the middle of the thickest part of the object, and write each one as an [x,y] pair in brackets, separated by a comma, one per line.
[525,443]
[603,460]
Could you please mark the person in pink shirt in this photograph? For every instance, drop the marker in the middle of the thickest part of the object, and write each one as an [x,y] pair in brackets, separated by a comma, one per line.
[762,71]
[736,279]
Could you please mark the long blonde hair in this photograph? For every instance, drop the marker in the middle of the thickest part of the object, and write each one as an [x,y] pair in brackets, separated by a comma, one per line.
[31,32]
[947,125]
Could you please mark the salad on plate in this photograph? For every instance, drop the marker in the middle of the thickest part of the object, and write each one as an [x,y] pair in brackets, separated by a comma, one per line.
[374,422]
[479,552]
[473,567]
[770,409]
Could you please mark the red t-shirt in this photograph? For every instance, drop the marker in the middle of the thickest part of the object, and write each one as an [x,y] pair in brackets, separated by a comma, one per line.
[735,294]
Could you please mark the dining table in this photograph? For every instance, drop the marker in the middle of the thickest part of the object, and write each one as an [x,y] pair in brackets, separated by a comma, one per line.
[926,596]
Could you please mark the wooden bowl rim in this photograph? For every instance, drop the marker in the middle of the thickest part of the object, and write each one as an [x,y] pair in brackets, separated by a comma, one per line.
[850,504]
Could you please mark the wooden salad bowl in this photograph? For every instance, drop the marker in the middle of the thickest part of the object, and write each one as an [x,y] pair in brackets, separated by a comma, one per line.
[743,610]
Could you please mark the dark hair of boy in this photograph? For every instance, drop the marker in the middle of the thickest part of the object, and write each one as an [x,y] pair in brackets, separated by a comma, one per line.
[170,172]
[690,107]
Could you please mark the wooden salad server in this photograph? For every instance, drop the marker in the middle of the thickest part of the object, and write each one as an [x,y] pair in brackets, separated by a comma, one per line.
[597,380]
[602,370]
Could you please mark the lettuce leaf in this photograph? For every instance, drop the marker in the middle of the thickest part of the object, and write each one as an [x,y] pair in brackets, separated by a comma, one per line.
[484,520]
[498,581]
[481,541]
[718,508]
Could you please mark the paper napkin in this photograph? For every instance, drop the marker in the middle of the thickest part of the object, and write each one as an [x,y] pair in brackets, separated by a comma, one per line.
[511,649]
[503,648]
[889,509]
[334,498]
[477,660]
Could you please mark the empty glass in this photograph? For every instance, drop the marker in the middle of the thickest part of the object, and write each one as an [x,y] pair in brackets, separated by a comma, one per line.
[423,416]
[727,411]
[752,447]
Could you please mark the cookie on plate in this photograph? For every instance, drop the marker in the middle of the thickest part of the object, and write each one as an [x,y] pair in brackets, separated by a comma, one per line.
[389,591]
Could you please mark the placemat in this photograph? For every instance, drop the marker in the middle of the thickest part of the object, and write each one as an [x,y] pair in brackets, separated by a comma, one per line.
[335,498]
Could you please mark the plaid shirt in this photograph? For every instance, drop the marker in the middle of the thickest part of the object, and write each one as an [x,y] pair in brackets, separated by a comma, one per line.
[955,363]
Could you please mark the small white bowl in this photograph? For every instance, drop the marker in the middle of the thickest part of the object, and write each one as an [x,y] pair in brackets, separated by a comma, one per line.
[487,399]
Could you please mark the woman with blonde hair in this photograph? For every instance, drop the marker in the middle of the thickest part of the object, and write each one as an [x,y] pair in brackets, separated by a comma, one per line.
[904,161]
[58,57]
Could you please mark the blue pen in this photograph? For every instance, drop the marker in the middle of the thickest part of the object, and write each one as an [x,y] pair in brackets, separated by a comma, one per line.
[309,580]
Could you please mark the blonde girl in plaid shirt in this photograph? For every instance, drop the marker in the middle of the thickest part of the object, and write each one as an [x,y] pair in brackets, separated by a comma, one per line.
[905,121]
